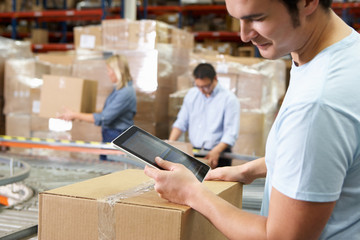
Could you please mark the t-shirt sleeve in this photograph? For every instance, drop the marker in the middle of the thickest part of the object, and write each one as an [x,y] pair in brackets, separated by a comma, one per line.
[315,144]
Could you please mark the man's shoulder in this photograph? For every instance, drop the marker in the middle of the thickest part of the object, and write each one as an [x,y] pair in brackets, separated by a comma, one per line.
[192,93]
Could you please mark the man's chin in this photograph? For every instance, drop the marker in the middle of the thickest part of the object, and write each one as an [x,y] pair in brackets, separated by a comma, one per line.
[270,55]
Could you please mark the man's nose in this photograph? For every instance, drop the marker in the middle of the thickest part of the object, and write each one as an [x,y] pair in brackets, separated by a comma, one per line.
[246,31]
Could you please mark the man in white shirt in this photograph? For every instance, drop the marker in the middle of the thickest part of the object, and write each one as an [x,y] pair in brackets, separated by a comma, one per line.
[211,115]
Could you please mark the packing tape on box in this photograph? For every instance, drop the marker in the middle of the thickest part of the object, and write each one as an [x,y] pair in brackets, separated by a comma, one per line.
[106,213]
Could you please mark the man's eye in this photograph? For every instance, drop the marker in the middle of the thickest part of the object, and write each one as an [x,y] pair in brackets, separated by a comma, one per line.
[258,19]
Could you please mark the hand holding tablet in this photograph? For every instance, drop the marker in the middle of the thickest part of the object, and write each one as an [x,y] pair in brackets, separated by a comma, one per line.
[146,147]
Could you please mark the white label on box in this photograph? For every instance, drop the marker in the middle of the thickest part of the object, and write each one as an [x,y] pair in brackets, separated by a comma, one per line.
[87,41]
[36,106]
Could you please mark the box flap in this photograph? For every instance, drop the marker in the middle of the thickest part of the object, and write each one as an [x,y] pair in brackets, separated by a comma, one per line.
[104,186]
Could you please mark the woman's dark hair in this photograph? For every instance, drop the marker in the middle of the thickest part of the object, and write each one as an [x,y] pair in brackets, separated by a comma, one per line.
[291,5]
[204,70]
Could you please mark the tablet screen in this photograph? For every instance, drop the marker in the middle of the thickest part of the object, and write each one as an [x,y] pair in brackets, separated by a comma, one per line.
[146,147]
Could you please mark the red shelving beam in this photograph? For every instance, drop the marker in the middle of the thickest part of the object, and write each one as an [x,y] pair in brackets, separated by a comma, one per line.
[52,47]
[53,13]
[226,36]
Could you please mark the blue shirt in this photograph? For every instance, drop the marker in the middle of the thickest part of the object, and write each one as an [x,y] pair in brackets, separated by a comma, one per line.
[119,109]
[210,120]
[313,148]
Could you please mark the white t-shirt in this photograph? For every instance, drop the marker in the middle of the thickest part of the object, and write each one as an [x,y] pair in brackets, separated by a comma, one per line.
[313,148]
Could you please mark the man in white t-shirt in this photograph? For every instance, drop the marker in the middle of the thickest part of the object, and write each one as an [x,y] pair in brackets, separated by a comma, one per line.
[312,160]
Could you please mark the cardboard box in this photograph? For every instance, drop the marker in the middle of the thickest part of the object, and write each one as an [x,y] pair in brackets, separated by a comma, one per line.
[57,92]
[18,125]
[124,34]
[78,211]
[61,59]
[85,131]
[22,84]
[39,36]
[88,37]
[95,69]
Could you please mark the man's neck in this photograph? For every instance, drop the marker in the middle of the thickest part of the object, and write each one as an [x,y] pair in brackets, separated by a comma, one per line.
[329,30]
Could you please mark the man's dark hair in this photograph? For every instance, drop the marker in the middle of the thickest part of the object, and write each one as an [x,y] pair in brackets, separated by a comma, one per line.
[291,5]
[204,70]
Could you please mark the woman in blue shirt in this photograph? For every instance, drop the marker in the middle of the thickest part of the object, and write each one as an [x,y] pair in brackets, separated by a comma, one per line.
[120,106]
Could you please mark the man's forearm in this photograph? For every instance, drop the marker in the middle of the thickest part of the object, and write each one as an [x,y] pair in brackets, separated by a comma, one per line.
[175,134]
[220,147]
[231,221]
[257,168]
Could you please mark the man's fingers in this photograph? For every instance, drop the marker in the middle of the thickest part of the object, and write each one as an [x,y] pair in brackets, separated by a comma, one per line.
[150,171]
[164,164]
[214,174]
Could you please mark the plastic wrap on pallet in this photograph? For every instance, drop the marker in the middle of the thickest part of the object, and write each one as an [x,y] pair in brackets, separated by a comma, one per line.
[11,49]
[123,34]
[255,125]
[58,64]
[154,76]
[22,84]
[157,53]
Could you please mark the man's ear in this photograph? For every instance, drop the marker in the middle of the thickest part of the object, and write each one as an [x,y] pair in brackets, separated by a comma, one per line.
[308,7]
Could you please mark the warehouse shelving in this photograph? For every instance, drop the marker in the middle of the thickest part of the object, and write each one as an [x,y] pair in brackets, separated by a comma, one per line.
[191,10]
[347,10]
[52,47]
[45,16]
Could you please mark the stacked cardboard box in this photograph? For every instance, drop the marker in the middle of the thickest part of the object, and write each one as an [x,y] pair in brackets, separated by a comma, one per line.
[59,92]
[157,54]
[22,93]
[39,36]
[88,37]
[23,82]
[9,49]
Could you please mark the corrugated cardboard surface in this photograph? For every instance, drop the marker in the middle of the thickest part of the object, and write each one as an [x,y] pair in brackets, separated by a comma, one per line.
[88,37]
[58,92]
[76,211]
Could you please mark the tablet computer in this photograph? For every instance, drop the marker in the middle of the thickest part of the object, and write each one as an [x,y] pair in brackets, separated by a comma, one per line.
[145,147]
